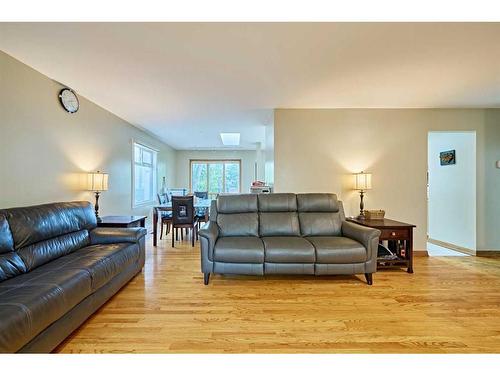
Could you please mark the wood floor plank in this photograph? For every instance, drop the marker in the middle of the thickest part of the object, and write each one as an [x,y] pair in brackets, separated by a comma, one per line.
[449,305]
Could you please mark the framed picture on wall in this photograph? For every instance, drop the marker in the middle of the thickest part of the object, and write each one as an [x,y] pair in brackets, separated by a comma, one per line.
[447,157]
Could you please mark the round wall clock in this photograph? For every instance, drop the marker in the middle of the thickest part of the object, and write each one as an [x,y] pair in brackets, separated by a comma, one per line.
[69,100]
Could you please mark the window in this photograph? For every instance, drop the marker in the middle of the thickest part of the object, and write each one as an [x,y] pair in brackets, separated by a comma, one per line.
[215,176]
[143,176]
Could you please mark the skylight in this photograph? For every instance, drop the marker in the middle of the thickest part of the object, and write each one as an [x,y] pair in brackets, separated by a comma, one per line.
[230,139]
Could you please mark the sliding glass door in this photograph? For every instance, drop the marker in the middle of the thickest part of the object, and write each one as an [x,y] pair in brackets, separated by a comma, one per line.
[215,176]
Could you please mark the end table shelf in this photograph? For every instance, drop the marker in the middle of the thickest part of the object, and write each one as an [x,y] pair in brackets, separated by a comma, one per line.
[399,237]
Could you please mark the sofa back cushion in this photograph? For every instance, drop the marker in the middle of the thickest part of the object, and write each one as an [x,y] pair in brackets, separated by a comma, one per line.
[45,232]
[237,215]
[320,214]
[278,215]
[236,203]
[277,202]
[279,224]
[317,202]
[30,225]
[44,251]
[11,265]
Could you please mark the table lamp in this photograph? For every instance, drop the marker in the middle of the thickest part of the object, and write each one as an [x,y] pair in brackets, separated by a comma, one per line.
[97,182]
[362,182]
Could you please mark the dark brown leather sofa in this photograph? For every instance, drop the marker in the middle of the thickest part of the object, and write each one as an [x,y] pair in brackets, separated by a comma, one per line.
[56,269]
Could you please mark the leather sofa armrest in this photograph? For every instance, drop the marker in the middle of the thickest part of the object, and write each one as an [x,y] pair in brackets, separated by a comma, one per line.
[210,232]
[368,237]
[102,236]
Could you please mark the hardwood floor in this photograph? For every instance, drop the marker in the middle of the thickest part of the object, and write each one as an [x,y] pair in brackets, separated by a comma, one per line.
[449,305]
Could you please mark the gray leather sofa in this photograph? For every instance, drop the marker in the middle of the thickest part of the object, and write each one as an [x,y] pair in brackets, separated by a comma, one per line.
[57,269]
[257,234]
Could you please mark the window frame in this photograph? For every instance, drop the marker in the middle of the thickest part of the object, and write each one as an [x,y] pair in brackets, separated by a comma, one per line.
[214,161]
[154,168]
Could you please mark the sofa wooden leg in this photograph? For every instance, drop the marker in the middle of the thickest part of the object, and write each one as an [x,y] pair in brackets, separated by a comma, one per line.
[206,278]
[369,278]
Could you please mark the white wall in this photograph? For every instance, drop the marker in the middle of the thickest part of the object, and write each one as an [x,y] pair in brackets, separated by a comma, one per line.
[269,155]
[260,159]
[319,149]
[490,200]
[44,150]
[248,159]
[452,189]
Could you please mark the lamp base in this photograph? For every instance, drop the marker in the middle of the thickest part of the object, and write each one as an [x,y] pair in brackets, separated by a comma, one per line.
[361,215]
[98,219]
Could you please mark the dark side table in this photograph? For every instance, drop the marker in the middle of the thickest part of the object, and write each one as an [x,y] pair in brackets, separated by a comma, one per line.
[399,237]
[123,221]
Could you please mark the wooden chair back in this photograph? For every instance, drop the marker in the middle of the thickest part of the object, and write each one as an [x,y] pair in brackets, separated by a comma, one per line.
[183,210]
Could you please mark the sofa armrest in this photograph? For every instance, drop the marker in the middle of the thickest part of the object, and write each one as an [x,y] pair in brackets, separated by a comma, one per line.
[209,232]
[368,237]
[101,236]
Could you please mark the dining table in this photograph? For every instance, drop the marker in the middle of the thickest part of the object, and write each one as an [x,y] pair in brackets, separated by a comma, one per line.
[198,203]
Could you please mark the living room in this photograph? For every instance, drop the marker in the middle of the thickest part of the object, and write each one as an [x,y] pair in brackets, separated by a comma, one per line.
[249,187]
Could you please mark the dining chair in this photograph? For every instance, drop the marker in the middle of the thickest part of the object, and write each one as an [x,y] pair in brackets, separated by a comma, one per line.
[201,194]
[183,216]
[201,213]
[166,217]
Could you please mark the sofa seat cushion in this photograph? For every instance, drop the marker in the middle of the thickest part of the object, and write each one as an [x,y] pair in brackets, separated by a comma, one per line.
[102,262]
[239,250]
[288,250]
[337,250]
[31,302]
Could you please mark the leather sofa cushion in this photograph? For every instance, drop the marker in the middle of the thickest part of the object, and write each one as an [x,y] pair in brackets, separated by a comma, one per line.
[239,250]
[244,224]
[279,224]
[31,302]
[288,250]
[101,236]
[11,265]
[320,223]
[237,203]
[277,202]
[239,268]
[44,251]
[6,241]
[337,250]
[102,262]
[29,225]
[317,202]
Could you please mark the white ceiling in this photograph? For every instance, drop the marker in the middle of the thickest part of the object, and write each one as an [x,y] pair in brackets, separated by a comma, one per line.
[187,82]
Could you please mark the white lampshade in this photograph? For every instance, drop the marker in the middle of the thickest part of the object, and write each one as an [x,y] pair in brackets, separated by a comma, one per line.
[362,181]
[97,181]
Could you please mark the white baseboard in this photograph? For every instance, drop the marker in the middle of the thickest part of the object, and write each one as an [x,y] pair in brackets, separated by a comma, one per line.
[451,246]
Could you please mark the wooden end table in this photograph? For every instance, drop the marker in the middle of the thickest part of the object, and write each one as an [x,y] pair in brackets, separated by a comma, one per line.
[399,237]
[123,221]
